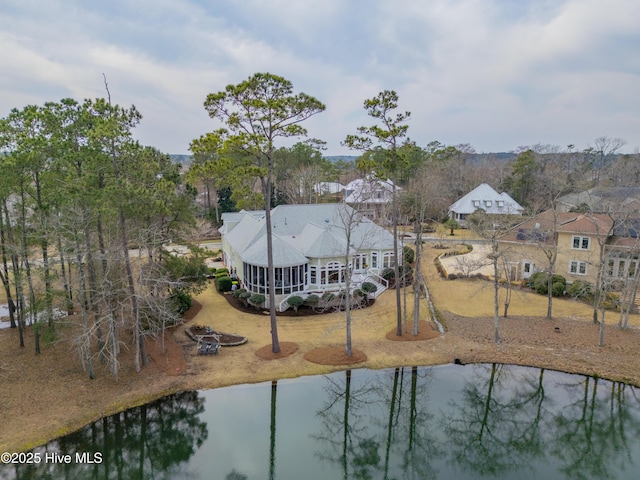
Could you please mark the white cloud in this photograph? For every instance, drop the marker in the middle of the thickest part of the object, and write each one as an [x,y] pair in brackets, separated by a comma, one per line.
[494,73]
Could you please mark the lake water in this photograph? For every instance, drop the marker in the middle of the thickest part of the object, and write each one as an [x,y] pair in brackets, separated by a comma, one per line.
[4,312]
[444,422]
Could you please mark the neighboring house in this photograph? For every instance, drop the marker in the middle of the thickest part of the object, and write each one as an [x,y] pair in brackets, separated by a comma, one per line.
[602,199]
[309,248]
[328,188]
[485,198]
[577,238]
[371,197]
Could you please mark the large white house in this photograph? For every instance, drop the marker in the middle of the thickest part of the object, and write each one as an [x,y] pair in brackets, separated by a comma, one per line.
[371,197]
[309,249]
[483,197]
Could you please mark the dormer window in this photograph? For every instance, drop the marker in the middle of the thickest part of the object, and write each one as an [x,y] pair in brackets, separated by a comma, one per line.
[500,203]
[476,203]
[488,203]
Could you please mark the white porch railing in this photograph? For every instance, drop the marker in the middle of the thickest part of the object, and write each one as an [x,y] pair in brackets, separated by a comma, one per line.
[358,280]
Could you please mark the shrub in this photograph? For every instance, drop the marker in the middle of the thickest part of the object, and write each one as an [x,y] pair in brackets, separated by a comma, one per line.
[295,302]
[238,292]
[406,274]
[540,283]
[579,289]
[257,300]
[181,301]
[368,288]
[451,224]
[328,296]
[405,270]
[358,292]
[557,289]
[244,297]
[312,300]
[409,254]
[224,284]
[535,278]
[222,270]
[541,286]
[388,274]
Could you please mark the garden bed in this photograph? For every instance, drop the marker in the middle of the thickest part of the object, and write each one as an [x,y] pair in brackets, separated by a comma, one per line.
[203,333]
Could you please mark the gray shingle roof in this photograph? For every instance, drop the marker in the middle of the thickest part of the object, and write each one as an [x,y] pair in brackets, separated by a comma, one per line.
[486,198]
[304,231]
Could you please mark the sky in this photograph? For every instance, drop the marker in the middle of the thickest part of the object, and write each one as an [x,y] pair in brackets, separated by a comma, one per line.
[495,74]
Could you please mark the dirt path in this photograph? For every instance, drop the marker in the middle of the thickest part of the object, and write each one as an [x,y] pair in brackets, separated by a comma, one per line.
[49,395]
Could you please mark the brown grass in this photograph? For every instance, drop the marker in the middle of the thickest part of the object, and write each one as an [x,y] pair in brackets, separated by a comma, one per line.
[49,395]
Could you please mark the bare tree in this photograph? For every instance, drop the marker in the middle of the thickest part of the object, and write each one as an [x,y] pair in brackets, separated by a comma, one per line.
[491,228]
[602,154]
[358,236]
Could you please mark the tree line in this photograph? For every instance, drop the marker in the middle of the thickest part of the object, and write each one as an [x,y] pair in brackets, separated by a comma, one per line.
[77,193]
[85,211]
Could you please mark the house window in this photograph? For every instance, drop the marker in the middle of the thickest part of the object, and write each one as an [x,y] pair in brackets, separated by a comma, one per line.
[360,261]
[500,203]
[581,243]
[622,264]
[388,260]
[578,268]
[488,203]
[287,279]
[374,259]
[476,203]
[332,273]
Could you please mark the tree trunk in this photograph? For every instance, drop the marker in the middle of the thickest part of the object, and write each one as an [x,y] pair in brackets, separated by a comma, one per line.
[85,341]
[496,315]
[417,286]
[266,186]
[44,246]
[17,279]
[5,268]
[65,281]
[396,267]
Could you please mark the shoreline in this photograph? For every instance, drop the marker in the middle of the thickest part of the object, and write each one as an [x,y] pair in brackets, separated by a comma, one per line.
[44,397]
[444,349]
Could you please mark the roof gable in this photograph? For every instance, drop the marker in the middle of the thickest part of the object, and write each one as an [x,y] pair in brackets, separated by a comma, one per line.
[309,231]
[486,198]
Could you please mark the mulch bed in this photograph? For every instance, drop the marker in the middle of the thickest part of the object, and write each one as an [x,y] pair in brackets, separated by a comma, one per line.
[335,356]
[426,331]
[286,349]
[224,339]
[303,311]
[193,311]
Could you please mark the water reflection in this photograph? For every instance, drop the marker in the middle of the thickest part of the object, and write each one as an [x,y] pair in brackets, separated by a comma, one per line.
[154,441]
[471,422]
